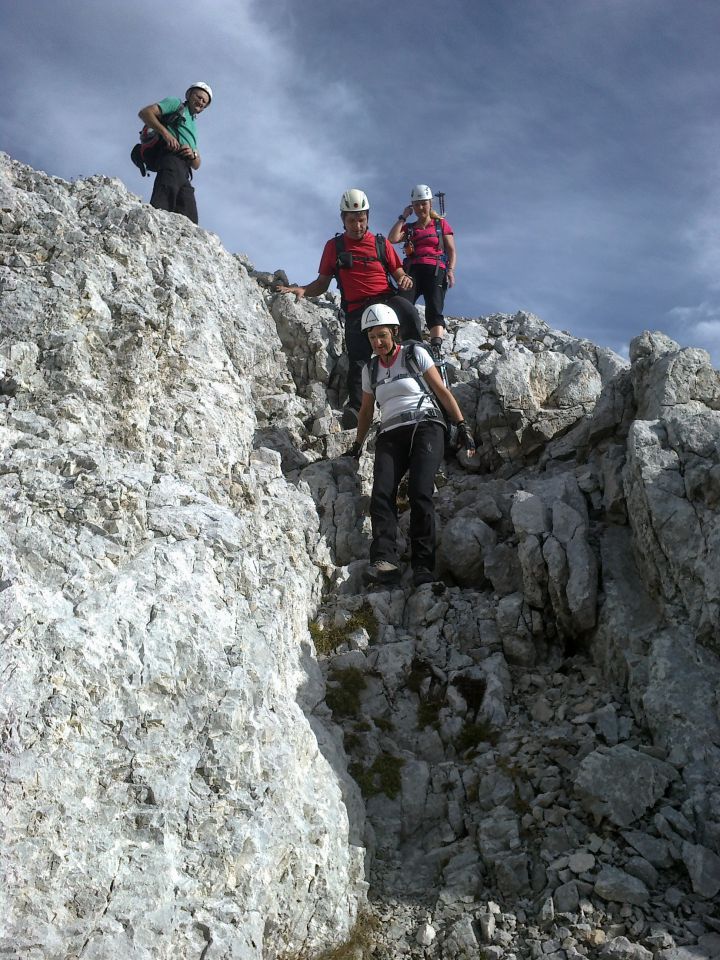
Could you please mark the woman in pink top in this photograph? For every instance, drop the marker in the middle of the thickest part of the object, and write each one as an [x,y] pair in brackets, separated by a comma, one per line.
[430,258]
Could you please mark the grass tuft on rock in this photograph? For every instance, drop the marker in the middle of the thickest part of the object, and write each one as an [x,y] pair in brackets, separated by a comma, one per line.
[474,734]
[361,943]
[327,638]
[382,776]
[344,691]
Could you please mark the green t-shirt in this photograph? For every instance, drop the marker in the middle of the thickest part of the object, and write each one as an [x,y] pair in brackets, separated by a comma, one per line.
[184,130]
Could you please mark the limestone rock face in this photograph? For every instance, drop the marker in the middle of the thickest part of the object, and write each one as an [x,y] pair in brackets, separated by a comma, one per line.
[613,884]
[215,735]
[164,790]
[621,783]
[670,482]
[605,793]
[532,385]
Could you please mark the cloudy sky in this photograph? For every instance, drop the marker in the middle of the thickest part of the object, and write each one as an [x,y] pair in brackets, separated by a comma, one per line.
[576,140]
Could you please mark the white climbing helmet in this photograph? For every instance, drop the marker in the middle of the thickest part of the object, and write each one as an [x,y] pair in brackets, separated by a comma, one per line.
[421,191]
[353,201]
[200,86]
[378,315]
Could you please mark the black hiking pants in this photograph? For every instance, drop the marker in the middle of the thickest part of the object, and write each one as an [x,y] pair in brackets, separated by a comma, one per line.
[430,283]
[358,346]
[172,190]
[417,450]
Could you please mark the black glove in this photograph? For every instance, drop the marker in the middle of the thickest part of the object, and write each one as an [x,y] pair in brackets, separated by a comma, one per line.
[465,438]
[355,451]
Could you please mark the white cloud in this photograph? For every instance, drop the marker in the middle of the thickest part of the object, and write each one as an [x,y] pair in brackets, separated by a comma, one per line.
[576,142]
[699,326]
[273,163]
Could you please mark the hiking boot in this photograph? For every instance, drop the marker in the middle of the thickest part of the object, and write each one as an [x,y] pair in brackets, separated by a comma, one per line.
[382,571]
[422,575]
[349,419]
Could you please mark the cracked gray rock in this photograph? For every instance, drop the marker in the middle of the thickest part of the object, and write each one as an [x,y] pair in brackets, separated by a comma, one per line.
[523,755]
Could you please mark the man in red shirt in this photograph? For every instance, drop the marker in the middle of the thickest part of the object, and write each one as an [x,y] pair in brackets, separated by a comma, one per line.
[353,259]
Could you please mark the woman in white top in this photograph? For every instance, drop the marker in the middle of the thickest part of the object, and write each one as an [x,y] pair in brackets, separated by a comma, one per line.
[405,383]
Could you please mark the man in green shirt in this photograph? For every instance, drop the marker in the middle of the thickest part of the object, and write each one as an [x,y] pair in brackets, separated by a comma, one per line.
[172,190]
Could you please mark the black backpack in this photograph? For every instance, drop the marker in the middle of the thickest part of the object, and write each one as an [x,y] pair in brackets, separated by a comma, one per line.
[146,154]
[410,348]
[345,260]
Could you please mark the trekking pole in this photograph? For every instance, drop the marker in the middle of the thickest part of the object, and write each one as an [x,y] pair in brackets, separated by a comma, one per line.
[441,203]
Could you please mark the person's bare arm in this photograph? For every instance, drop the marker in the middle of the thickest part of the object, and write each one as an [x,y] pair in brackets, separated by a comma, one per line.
[192,156]
[449,402]
[395,233]
[443,394]
[365,417]
[403,281]
[315,289]
[451,253]
[152,116]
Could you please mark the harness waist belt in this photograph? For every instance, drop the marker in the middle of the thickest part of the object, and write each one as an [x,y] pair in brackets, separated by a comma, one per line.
[413,416]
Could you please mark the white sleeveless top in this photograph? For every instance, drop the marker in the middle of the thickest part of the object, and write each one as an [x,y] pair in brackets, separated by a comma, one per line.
[399,396]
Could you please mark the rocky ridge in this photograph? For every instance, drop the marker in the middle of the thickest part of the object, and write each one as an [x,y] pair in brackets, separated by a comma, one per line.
[166,791]
[535,737]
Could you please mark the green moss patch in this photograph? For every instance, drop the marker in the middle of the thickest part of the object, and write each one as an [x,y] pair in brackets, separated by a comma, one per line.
[344,691]
[474,734]
[382,776]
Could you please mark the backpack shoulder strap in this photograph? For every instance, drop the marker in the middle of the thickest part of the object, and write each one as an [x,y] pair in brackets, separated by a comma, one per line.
[169,119]
[380,254]
[408,356]
[339,248]
[373,365]
[381,251]
[440,236]
[437,221]
[411,348]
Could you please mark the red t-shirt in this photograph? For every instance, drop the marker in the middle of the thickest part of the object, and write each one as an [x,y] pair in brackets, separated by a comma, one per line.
[425,240]
[367,277]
